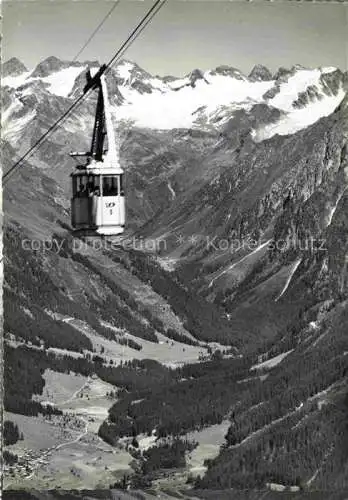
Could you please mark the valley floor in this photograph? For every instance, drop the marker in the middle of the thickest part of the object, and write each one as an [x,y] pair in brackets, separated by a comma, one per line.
[65,451]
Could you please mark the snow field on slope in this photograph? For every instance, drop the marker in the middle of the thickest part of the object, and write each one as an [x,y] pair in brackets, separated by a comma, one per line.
[174,109]
[60,83]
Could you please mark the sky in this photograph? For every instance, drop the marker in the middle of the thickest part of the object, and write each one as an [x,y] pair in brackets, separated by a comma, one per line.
[184,35]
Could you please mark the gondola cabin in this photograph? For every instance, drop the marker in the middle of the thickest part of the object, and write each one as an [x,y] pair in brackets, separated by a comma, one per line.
[98,203]
[98,197]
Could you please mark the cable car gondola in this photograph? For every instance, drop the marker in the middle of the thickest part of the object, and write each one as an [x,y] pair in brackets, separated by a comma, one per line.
[98,198]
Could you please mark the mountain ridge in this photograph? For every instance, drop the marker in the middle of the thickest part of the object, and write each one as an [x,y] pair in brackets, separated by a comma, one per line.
[251,210]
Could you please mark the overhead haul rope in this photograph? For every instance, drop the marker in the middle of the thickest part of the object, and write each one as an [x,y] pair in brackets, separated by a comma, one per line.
[65,115]
[97,29]
[106,68]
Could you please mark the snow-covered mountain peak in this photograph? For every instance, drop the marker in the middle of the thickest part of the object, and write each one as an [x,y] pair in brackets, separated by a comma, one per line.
[224,70]
[53,65]
[288,90]
[195,75]
[60,82]
[16,81]
[129,74]
[124,69]
[283,73]
[303,96]
[328,69]
[13,67]
[260,72]
[127,68]
[175,103]
[290,101]
[211,98]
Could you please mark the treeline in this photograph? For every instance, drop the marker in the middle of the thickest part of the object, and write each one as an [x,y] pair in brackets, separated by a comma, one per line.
[154,323]
[149,464]
[24,271]
[289,436]
[296,432]
[24,367]
[31,286]
[23,379]
[179,337]
[201,318]
[283,400]
[118,337]
[170,455]
[120,308]
[200,395]
[41,328]
[129,343]
[166,456]
[289,453]
[11,433]
[158,324]
[286,389]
